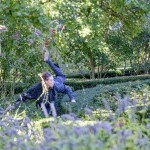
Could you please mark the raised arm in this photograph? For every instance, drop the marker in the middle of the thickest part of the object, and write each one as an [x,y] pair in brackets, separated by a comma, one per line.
[55,68]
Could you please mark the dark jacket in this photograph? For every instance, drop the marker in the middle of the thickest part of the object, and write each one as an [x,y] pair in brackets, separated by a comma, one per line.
[35,92]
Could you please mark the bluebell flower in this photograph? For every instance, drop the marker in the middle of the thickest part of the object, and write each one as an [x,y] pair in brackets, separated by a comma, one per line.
[127,133]
[31,41]
[68,117]
[148,125]
[37,32]
[141,141]
[88,111]
[123,104]
[106,104]
[78,131]
[107,126]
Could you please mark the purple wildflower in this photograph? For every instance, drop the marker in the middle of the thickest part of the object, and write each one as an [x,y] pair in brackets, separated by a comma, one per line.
[68,117]
[106,104]
[78,131]
[31,41]
[107,126]
[88,111]
[127,133]
[95,128]
[148,125]
[111,117]
[37,32]
[11,132]
[48,135]
[123,104]
[124,134]
[141,141]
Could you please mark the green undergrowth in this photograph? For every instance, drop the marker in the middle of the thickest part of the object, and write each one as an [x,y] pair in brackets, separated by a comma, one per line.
[95,98]
[114,116]
[92,98]
[62,133]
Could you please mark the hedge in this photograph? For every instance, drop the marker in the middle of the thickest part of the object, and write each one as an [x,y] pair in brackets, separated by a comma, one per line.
[107,74]
[80,84]
[89,97]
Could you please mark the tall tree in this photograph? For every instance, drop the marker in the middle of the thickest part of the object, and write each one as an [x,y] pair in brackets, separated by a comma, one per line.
[88,24]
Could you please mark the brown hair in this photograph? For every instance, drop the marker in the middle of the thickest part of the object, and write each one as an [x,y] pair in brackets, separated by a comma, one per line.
[45,75]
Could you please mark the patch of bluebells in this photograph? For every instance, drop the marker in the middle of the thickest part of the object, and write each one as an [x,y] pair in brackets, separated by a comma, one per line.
[141,141]
[107,126]
[121,132]
[73,136]
[124,133]
[106,104]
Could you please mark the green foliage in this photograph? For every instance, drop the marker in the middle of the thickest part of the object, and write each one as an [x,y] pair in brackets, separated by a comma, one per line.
[107,74]
[100,121]
[85,83]
[89,25]
[92,97]
[22,43]
[98,34]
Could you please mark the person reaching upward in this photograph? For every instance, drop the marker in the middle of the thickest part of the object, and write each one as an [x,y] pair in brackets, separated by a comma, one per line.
[46,91]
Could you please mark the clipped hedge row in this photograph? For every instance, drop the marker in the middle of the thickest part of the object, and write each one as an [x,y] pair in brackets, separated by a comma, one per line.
[89,97]
[107,74]
[76,84]
[81,84]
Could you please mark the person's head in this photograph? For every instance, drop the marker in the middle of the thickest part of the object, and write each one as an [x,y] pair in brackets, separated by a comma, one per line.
[48,79]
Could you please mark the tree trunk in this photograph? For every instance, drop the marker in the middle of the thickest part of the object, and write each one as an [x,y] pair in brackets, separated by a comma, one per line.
[92,66]
[146,57]
[125,65]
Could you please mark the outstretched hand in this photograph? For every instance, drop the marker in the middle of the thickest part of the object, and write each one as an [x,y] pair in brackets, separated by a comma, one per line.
[46,54]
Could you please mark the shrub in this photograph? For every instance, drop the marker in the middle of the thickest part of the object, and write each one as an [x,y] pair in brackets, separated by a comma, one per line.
[81,84]
[92,97]
[107,74]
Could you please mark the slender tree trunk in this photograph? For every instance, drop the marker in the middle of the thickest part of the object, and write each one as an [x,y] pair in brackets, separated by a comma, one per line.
[99,69]
[146,57]
[125,65]
[92,66]
[131,64]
